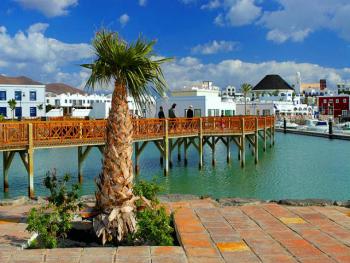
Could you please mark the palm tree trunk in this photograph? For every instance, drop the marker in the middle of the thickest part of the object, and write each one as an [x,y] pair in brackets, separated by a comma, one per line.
[114,196]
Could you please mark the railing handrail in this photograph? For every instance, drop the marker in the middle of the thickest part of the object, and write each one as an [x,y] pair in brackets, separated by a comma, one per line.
[85,131]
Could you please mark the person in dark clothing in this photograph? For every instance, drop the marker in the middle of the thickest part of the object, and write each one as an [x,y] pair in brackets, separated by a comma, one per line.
[161,114]
[172,111]
[189,113]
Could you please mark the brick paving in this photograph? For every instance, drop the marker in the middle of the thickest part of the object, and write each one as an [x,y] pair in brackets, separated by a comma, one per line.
[209,233]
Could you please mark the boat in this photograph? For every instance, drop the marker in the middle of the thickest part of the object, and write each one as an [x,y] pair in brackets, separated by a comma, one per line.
[316,126]
[289,125]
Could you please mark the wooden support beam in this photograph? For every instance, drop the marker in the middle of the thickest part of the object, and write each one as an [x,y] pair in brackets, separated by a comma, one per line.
[242,141]
[7,160]
[228,150]
[213,150]
[160,147]
[256,140]
[166,149]
[185,151]
[265,135]
[30,161]
[82,155]
[101,149]
[179,143]
[137,158]
[200,144]
[171,147]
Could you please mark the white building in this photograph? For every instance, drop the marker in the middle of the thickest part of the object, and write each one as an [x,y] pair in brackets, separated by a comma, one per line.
[92,106]
[30,100]
[205,98]
[274,96]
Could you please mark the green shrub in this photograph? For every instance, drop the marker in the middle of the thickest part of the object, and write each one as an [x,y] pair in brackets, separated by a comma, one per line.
[53,220]
[153,223]
[154,227]
[147,189]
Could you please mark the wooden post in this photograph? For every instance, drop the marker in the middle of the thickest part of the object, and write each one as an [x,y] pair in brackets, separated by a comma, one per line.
[273,130]
[256,140]
[239,148]
[242,143]
[80,164]
[213,150]
[166,149]
[271,134]
[265,135]
[179,142]
[185,151]
[200,144]
[171,146]
[137,157]
[228,150]
[7,160]
[30,161]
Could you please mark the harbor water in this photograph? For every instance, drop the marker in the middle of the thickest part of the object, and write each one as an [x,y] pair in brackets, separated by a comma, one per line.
[297,167]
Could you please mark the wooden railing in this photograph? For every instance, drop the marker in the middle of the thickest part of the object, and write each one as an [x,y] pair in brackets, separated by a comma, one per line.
[55,133]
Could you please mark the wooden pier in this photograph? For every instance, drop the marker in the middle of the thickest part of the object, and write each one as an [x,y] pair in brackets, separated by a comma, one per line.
[167,135]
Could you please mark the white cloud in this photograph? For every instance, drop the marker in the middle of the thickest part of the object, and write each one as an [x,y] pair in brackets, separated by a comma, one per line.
[49,8]
[295,20]
[142,2]
[124,19]
[213,4]
[215,47]
[189,70]
[35,55]
[235,12]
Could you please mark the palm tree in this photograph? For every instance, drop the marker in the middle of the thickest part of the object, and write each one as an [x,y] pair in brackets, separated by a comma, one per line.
[12,104]
[246,89]
[134,71]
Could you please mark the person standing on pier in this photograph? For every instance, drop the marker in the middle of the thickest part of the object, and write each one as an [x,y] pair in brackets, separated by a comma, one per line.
[172,111]
[189,113]
[161,114]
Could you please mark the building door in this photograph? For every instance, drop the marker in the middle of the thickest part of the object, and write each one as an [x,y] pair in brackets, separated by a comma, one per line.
[18,112]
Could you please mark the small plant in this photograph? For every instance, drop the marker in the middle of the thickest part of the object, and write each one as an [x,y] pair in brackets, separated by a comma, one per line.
[2,118]
[153,223]
[53,221]
[12,104]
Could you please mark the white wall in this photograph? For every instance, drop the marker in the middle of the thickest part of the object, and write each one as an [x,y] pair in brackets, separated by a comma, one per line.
[25,103]
[55,113]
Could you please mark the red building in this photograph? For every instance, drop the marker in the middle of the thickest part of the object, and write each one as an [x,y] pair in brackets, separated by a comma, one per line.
[334,105]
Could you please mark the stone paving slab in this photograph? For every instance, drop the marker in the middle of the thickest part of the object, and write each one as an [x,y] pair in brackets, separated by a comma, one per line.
[265,232]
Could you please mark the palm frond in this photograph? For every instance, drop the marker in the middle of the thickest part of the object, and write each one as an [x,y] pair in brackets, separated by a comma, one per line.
[132,64]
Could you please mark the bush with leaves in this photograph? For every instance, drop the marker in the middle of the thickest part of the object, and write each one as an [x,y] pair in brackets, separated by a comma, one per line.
[153,223]
[53,221]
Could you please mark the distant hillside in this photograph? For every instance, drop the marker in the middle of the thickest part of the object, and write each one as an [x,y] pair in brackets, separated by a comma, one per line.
[57,88]
[18,80]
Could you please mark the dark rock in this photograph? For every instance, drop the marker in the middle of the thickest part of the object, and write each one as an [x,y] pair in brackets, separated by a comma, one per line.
[305,202]
[342,203]
[176,197]
[239,201]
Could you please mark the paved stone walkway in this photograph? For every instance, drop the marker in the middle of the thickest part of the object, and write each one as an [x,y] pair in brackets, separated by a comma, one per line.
[208,233]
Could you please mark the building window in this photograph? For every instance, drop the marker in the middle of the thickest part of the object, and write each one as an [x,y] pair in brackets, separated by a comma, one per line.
[32,111]
[32,96]
[70,101]
[2,95]
[3,111]
[47,101]
[18,112]
[65,101]
[324,101]
[337,101]
[266,112]
[344,113]
[18,95]
[344,101]
[57,103]
[197,113]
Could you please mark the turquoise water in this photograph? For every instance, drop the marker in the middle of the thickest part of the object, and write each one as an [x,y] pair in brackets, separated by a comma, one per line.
[297,167]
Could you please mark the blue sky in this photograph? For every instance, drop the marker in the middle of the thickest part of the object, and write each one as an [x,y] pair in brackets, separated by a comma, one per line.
[227,41]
